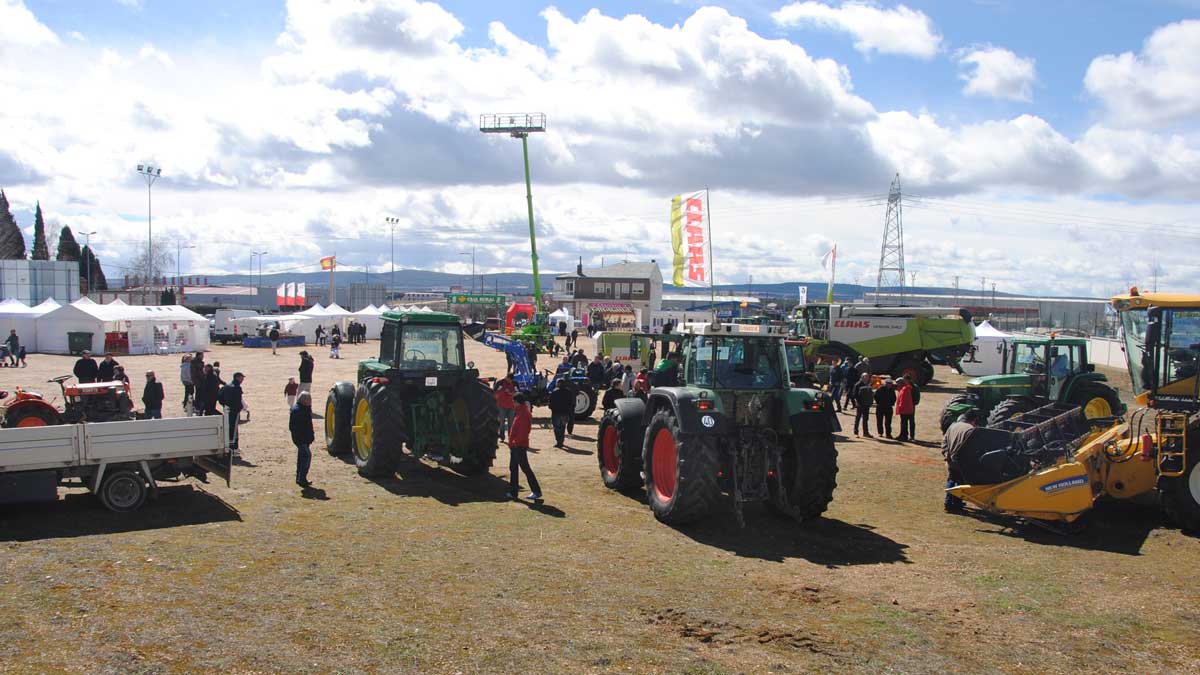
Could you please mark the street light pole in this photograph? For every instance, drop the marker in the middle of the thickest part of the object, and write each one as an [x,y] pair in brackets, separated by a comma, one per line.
[151,173]
[392,221]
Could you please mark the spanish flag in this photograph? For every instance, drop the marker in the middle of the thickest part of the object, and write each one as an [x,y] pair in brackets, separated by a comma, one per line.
[329,262]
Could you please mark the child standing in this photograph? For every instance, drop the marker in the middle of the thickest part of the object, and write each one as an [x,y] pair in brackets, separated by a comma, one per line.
[505,390]
[335,346]
[518,450]
[289,390]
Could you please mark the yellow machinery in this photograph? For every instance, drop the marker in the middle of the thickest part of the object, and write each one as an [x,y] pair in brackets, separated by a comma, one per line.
[1052,464]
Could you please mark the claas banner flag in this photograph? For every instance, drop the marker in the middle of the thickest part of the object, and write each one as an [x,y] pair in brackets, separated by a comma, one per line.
[689,235]
[328,262]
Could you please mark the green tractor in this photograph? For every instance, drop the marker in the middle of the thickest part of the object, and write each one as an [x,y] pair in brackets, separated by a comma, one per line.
[419,392]
[734,425]
[1037,371]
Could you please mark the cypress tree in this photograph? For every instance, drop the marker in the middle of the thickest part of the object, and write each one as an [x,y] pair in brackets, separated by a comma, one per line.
[89,264]
[12,242]
[68,248]
[40,250]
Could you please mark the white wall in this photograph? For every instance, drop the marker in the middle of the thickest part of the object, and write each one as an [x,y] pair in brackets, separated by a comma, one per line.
[1106,352]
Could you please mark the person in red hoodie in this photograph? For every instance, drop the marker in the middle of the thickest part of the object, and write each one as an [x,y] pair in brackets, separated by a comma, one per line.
[505,389]
[906,408]
[518,450]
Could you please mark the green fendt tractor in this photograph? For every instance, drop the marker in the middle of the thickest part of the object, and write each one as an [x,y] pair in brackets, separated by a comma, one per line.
[419,392]
[1037,371]
[733,425]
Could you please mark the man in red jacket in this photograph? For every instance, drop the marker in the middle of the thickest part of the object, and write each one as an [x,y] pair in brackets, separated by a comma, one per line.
[518,450]
[906,408]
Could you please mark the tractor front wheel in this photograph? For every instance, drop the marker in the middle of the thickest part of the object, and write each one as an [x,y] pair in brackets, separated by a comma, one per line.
[378,430]
[680,471]
[807,477]
[585,401]
[1181,496]
[617,449]
[338,406]
[1096,400]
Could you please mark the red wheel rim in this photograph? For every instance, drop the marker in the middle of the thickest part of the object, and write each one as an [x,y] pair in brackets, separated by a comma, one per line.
[32,421]
[608,451]
[663,469]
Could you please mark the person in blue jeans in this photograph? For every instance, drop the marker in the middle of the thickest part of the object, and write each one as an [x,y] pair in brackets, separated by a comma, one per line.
[152,397]
[562,411]
[301,427]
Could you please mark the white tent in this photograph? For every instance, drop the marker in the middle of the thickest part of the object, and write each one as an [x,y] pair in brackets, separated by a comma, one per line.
[987,352]
[15,315]
[371,317]
[137,329]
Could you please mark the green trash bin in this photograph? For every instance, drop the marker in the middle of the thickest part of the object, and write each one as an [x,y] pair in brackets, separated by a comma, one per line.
[78,341]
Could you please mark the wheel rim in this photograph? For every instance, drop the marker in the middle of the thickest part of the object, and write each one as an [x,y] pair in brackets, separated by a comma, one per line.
[330,409]
[608,451]
[32,421]
[1097,407]
[582,400]
[1194,483]
[362,429]
[663,469]
[123,492]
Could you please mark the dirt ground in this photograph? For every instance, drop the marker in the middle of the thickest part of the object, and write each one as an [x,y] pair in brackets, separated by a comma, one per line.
[431,572]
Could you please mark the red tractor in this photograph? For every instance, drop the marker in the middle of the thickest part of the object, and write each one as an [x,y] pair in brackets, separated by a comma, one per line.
[92,402]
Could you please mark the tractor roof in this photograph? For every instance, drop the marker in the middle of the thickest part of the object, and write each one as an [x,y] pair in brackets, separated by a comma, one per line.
[419,316]
[1135,300]
[1047,339]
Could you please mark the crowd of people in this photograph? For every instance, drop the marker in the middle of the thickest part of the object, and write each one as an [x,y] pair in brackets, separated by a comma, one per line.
[852,386]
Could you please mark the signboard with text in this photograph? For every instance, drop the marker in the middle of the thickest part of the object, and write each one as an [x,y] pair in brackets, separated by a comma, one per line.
[474,299]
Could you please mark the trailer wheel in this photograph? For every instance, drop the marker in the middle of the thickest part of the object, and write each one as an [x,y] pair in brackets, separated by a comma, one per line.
[1181,496]
[618,453]
[807,477]
[123,490]
[338,405]
[378,430]
[680,472]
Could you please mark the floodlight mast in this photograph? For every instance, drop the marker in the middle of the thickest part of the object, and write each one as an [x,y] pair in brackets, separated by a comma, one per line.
[520,125]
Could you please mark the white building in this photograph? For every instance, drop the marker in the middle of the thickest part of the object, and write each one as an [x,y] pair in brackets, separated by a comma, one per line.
[625,297]
[34,281]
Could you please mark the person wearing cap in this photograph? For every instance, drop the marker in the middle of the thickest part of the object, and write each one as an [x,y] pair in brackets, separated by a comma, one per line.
[518,450]
[85,368]
[232,400]
[306,371]
[152,397]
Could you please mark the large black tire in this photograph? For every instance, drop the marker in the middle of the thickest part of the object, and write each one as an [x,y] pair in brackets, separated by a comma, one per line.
[1096,399]
[484,424]
[619,451]
[910,368]
[378,430]
[680,475]
[123,490]
[585,401]
[807,477]
[1181,496]
[949,417]
[1010,408]
[926,373]
[32,415]
[338,406]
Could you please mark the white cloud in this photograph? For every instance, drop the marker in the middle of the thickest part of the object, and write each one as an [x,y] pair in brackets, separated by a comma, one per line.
[20,28]
[150,52]
[1160,85]
[998,73]
[886,31]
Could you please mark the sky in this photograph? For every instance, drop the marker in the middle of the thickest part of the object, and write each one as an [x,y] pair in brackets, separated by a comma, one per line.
[1044,147]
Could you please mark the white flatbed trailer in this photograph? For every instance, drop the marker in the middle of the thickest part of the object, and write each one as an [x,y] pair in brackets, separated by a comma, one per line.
[119,462]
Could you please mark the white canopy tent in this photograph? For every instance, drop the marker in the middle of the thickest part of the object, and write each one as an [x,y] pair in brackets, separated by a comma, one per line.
[371,317]
[15,315]
[138,329]
[987,352]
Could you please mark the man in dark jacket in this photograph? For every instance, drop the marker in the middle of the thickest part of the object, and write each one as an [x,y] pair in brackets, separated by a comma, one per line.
[850,378]
[301,428]
[562,410]
[595,372]
[306,371]
[85,368]
[208,390]
[233,402]
[611,395]
[579,360]
[152,397]
[955,439]
[274,336]
[106,369]
[863,397]
[14,346]
[885,400]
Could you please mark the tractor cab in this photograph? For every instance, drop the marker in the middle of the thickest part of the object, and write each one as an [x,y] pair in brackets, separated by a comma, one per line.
[1049,364]
[1162,348]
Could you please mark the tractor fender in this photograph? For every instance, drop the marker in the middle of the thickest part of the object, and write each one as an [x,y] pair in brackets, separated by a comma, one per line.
[682,402]
[1069,387]
[632,412]
[25,403]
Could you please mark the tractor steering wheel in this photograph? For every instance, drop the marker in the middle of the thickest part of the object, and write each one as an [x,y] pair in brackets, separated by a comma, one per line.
[415,352]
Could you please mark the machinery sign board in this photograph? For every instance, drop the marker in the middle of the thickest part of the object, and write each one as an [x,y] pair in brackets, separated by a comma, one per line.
[474,299]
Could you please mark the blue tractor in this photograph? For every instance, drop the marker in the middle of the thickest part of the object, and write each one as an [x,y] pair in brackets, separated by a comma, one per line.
[536,386]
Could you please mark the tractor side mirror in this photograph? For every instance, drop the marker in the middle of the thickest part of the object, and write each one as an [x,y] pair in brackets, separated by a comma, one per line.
[470,365]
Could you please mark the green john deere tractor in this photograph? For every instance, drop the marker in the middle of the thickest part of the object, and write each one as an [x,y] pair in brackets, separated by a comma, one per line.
[1037,371]
[419,392]
[734,425]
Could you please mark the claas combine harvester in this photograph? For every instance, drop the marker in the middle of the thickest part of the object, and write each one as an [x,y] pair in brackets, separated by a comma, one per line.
[1050,465]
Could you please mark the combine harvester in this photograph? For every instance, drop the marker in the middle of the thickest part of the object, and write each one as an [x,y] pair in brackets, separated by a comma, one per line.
[1051,464]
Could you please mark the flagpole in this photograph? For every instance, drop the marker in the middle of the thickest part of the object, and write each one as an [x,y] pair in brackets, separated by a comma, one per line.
[832,274]
[712,289]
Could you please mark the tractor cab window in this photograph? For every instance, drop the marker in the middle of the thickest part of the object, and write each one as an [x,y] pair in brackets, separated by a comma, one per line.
[387,342]
[1181,349]
[795,358]
[816,319]
[430,348]
[1137,354]
[698,368]
[751,363]
[1028,359]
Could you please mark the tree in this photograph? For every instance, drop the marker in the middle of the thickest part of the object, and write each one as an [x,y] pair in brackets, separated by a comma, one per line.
[90,270]
[68,248]
[12,242]
[40,250]
[164,259]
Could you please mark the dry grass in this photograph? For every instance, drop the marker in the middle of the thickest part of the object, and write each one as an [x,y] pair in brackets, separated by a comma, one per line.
[433,573]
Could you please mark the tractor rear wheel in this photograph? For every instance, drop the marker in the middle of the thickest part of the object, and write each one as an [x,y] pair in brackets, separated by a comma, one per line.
[1096,400]
[338,406]
[1008,409]
[681,472]
[949,417]
[807,477]
[618,449]
[378,430]
[1181,496]
[585,401]
[483,420]
[32,416]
